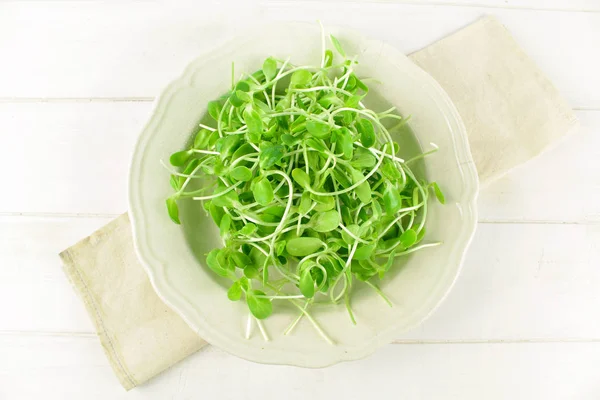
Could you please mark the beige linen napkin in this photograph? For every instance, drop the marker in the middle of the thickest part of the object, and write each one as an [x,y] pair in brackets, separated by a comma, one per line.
[511,112]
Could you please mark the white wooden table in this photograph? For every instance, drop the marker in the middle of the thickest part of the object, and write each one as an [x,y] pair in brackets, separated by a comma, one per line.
[77,80]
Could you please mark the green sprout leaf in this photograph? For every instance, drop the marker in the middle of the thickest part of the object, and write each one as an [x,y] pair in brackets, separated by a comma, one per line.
[260,307]
[438,193]
[241,173]
[367,133]
[318,129]
[337,45]
[307,285]
[235,291]
[270,68]
[214,109]
[173,210]
[301,177]
[303,246]
[300,78]
[216,264]
[326,221]
[391,200]
[262,190]
[271,156]
[179,158]
[408,238]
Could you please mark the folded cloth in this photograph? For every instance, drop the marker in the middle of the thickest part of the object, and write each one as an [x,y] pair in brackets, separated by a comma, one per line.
[140,335]
[511,112]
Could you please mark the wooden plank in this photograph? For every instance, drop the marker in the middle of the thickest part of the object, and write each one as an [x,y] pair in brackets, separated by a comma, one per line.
[70,157]
[541,5]
[520,281]
[533,281]
[31,276]
[73,157]
[75,368]
[135,49]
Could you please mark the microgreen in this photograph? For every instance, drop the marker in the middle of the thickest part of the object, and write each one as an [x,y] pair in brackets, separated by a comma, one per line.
[307,192]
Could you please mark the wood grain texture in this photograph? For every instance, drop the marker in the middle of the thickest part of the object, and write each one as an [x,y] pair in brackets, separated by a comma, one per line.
[520,281]
[134,49]
[76,84]
[539,5]
[37,367]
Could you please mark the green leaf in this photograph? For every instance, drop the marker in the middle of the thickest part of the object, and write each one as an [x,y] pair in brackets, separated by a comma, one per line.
[258,258]
[225,225]
[201,139]
[240,259]
[242,86]
[214,109]
[363,269]
[270,68]
[262,191]
[328,58]
[214,260]
[344,143]
[235,291]
[226,199]
[324,203]
[303,246]
[390,261]
[248,229]
[271,155]
[301,177]
[325,221]
[438,193]
[363,191]
[306,284]
[253,122]
[352,102]
[243,96]
[280,247]
[329,100]
[305,203]
[337,45]
[390,171]
[318,129]
[288,139]
[173,210]
[213,138]
[215,212]
[363,159]
[260,307]
[179,158]
[236,101]
[241,174]
[227,145]
[364,251]
[391,200]
[408,238]
[367,133]
[315,144]
[354,230]
[300,78]
[243,150]
[416,196]
[174,182]
[341,178]
[251,271]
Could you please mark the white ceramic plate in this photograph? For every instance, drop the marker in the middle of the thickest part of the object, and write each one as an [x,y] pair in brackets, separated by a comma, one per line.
[174,255]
